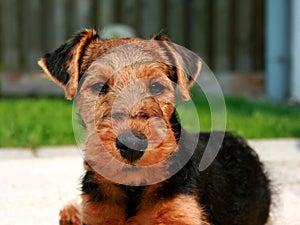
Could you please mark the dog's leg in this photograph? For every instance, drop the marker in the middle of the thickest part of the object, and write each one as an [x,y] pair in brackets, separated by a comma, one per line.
[100,213]
[181,210]
[70,215]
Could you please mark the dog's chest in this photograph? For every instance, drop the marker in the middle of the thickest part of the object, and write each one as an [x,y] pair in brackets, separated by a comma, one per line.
[133,199]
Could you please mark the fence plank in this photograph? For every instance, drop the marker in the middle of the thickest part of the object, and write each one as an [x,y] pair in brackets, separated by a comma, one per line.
[129,13]
[151,17]
[33,33]
[54,23]
[1,35]
[107,14]
[198,30]
[59,21]
[10,33]
[244,40]
[220,37]
[176,21]
[259,31]
[23,30]
[47,33]
[82,17]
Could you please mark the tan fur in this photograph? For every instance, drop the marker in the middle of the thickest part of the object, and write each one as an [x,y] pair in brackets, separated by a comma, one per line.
[128,70]
[182,210]
[71,214]
[110,213]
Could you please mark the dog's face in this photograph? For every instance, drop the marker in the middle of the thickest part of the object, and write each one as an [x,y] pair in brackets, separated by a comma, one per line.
[126,91]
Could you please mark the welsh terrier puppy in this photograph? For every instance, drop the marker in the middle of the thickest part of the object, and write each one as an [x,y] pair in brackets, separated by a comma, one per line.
[142,166]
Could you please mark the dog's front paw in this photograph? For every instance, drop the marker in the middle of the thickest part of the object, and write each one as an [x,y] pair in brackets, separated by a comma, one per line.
[70,215]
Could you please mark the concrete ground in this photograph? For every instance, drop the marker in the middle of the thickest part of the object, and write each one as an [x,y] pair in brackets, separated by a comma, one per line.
[35,185]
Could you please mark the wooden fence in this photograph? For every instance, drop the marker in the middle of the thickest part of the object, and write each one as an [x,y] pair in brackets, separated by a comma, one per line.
[227,34]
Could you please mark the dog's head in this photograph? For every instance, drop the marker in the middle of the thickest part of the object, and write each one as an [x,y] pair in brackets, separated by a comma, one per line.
[126,91]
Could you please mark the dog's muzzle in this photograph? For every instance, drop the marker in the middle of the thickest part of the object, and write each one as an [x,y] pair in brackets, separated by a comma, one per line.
[132,145]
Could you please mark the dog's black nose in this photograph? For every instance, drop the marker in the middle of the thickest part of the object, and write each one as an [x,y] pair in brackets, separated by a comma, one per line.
[132,145]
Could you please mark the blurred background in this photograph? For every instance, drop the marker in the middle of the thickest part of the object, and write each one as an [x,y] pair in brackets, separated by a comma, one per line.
[241,40]
[251,46]
[227,34]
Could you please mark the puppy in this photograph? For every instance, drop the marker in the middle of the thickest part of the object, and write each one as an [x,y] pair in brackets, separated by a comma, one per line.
[142,167]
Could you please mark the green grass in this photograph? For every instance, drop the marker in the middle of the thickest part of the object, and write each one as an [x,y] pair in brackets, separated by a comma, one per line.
[263,120]
[251,119]
[33,122]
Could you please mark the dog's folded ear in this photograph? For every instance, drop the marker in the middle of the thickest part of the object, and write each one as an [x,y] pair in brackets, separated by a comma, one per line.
[186,63]
[188,67]
[63,65]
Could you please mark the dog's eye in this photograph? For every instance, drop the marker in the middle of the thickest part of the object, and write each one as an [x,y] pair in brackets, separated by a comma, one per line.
[99,88]
[156,88]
